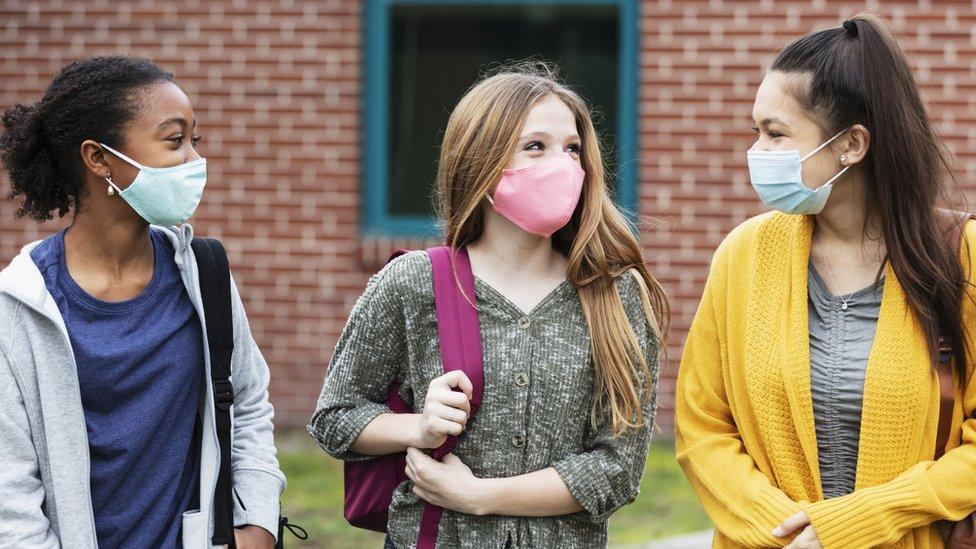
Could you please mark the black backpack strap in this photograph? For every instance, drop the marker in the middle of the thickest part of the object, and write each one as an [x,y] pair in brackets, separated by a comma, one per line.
[214,274]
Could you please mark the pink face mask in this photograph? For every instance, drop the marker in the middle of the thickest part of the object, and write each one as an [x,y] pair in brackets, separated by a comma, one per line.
[540,198]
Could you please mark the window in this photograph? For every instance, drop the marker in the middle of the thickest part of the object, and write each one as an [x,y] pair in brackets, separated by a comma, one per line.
[422,55]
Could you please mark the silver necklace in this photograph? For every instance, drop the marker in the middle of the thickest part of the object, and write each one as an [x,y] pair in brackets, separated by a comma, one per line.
[843,300]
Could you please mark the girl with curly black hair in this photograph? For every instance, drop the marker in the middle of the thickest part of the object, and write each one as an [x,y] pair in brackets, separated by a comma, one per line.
[106,415]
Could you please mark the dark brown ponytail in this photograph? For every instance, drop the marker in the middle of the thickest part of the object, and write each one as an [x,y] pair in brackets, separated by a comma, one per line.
[859,75]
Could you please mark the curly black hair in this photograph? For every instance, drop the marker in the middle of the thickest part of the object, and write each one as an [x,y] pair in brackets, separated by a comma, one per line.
[91,98]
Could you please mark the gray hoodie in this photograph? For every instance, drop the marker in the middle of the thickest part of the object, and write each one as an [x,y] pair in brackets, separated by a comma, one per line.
[44,460]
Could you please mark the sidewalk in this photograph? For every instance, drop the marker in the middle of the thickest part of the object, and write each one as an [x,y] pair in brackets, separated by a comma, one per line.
[697,540]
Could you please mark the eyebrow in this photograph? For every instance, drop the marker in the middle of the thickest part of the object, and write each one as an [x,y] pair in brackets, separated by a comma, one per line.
[772,120]
[544,134]
[174,120]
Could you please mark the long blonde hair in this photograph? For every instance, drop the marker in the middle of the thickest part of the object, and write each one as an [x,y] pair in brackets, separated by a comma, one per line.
[480,139]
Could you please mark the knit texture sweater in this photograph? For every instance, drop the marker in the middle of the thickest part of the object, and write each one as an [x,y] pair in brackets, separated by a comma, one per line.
[535,411]
[745,425]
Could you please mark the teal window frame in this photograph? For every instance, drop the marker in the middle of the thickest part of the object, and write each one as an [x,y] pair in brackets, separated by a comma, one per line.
[376,220]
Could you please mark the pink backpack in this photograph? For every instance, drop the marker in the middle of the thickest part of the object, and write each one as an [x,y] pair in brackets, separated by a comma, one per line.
[370,484]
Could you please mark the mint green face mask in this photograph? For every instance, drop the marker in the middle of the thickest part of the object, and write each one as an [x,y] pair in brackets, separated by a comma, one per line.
[164,196]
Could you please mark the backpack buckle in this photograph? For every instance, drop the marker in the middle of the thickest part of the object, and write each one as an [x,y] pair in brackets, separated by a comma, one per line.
[223,394]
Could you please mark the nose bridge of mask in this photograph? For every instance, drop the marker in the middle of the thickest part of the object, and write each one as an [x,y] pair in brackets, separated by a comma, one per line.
[561,157]
[824,144]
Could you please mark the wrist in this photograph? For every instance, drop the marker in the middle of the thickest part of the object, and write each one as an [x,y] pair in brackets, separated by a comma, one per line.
[487,493]
[414,435]
[253,535]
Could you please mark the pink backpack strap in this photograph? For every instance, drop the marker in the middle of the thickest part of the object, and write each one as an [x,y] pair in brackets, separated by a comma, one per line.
[457,320]
[460,343]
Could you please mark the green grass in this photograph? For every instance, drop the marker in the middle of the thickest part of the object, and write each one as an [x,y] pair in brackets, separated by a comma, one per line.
[666,505]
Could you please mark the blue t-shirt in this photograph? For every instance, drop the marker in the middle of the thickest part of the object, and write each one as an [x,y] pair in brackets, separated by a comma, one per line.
[140,366]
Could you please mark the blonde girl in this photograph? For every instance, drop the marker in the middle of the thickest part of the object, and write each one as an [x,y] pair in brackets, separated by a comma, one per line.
[571,323]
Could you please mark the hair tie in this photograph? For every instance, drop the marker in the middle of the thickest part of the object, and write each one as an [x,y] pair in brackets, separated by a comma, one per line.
[851,27]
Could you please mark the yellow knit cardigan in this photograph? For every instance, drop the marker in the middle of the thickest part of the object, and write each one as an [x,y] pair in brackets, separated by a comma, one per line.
[745,425]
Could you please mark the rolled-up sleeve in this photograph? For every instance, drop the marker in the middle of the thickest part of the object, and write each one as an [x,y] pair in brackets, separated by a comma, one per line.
[607,475]
[365,363]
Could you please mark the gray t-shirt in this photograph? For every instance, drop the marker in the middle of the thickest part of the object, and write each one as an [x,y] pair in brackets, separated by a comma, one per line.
[840,343]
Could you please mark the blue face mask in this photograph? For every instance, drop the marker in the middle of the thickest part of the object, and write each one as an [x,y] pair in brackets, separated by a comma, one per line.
[776,177]
[164,196]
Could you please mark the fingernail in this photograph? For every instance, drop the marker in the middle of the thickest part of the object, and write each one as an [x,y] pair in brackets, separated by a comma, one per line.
[777,532]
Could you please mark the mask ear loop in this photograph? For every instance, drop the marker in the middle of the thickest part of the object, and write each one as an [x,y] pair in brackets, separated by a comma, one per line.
[820,148]
[834,178]
[123,157]
[488,194]
[827,142]
[113,189]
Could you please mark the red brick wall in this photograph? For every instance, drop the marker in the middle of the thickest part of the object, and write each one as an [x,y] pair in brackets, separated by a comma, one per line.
[276,87]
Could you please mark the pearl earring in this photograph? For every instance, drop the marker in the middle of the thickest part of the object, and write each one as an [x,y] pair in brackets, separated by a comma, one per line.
[843,158]
[111,185]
